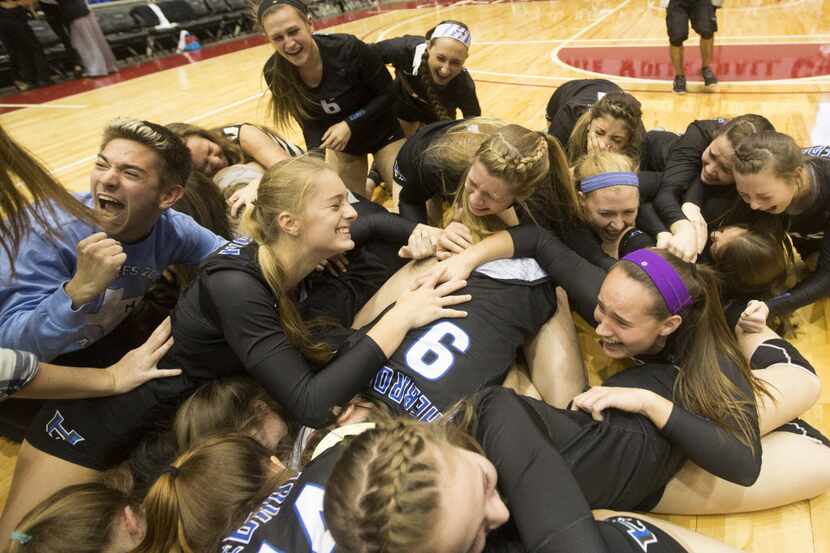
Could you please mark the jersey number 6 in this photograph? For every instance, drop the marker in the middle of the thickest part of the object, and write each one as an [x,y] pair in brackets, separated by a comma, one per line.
[309,507]
[430,357]
[330,107]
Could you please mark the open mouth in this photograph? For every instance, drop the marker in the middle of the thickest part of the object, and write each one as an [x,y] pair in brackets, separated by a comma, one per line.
[611,345]
[344,232]
[109,205]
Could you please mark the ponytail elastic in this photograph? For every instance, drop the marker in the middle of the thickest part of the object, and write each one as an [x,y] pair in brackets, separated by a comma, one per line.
[20,537]
[607,180]
[266,5]
[665,279]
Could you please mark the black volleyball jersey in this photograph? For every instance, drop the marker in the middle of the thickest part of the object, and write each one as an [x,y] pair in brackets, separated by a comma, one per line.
[449,359]
[355,88]
[570,101]
[810,231]
[290,520]
[405,54]
[231,132]
[420,179]
[683,166]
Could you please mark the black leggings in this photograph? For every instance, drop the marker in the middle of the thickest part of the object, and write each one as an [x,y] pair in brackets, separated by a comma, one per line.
[25,52]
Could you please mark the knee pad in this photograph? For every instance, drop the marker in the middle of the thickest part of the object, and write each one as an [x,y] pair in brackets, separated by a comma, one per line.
[778,350]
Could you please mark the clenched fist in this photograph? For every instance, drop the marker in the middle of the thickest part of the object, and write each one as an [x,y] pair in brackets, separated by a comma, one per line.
[99,261]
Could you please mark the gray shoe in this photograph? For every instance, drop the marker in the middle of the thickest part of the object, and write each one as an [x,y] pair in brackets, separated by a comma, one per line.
[679,84]
[709,79]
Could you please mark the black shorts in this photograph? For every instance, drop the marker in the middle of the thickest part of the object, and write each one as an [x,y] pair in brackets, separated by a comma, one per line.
[801,428]
[626,534]
[100,433]
[370,141]
[701,13]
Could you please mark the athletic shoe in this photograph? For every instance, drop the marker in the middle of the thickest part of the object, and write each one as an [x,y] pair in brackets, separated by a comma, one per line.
[679,84]
[709,79]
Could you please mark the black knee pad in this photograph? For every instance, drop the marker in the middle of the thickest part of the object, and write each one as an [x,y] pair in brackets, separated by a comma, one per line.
[778,350]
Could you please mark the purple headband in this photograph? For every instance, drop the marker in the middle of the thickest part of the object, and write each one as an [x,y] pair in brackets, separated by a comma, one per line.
[664,277]
[605,180]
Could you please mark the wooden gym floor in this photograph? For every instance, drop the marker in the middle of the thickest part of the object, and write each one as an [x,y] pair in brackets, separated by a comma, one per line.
[771,57]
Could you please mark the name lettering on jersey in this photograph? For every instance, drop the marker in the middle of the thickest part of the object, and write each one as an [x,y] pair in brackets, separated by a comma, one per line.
[146,272]
[235,247]
[270,508]
[816,151]
[399,388]
[397,173]
[637,530]
[55,429]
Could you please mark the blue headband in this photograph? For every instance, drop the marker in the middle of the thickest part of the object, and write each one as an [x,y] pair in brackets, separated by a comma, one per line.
[606,180]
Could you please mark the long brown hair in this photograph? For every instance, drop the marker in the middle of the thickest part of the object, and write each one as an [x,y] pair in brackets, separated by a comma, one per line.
[231,151]
[699,345]
[383,494]
[534,167]
[19,212]
[442,112]
[289,94]
[619,105]
[207,492]
[284,187]
[227,406]
[82,516]
[771,257]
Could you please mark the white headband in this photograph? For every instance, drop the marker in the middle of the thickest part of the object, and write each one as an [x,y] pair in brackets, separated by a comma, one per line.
[453,31]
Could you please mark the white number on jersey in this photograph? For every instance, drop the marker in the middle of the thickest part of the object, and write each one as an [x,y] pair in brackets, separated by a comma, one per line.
[268,548]
[431,358]
[309,507]
[330,107]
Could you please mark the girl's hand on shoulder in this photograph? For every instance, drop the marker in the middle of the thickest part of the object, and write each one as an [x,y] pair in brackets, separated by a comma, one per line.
[429,300]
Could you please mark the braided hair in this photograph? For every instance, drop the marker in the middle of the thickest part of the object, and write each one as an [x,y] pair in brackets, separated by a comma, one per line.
[535,169]
[383,494]
[441,110]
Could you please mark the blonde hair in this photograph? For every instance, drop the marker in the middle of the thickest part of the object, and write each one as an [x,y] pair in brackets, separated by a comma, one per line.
[453,152]
[383,494]
[207,492]
[284,187]
[534,167]
[171,150]
[597,163]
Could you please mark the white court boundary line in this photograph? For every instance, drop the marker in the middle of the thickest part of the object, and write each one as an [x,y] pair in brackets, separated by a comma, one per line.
[407,21]
[226,107]
[732,41]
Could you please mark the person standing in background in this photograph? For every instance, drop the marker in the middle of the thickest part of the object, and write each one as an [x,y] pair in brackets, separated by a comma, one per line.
[703,16]
[87,39]
[28,62]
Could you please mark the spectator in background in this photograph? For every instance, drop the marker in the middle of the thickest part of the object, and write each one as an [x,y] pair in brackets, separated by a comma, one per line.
[87,38]
[28,62]
[54,16]
[702,14]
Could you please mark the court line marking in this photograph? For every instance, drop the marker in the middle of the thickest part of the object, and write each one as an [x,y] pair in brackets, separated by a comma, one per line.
[45,106]
[220,109]
[823,79]
[394,26]
[732,41]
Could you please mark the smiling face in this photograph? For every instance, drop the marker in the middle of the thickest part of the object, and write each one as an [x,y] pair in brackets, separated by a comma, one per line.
[290,34]
[609,133]
[717,160]
[126,189]
[470,505]
[626,326]
[766,191]
[327,216]
[609,211]
[486,194]
[207,156]
[446,57]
